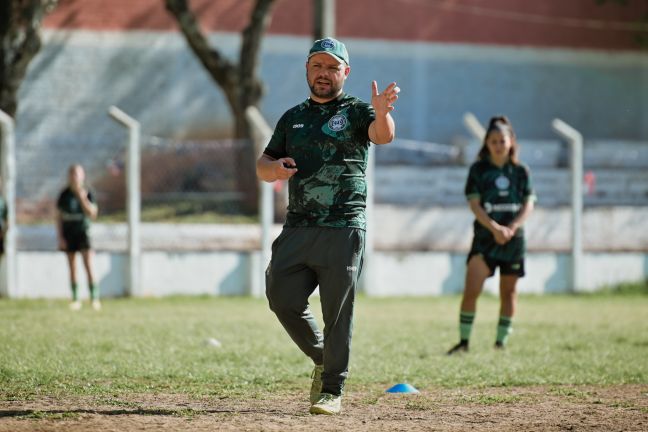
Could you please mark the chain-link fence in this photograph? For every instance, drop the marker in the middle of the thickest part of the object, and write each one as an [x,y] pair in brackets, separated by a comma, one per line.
[181,180]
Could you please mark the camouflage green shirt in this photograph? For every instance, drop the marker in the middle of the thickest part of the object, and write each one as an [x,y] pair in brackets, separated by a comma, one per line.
[74,220]
[501,192]
[330,145]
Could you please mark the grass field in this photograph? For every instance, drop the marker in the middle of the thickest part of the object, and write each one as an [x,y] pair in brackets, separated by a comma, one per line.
[139,350]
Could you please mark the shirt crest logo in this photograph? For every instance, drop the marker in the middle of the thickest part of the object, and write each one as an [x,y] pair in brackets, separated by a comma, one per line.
[337,123]
[502,182]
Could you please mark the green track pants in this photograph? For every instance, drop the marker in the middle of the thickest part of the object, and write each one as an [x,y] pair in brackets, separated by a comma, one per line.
[302,259]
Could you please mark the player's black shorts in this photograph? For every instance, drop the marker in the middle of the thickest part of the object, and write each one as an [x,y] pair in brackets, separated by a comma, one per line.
[506,268]
[509,257]
[76,241]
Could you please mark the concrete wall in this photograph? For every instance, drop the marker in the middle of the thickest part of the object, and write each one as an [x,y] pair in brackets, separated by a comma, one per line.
[44,274]
[153,77]
[419,252]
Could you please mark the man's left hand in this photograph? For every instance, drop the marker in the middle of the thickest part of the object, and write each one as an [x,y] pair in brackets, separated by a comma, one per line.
[383,102]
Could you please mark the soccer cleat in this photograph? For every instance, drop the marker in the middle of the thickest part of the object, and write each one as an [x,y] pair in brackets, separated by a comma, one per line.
[96,305]
[75,305]
[316,385]
[461,347]
[327,404]
[499,345]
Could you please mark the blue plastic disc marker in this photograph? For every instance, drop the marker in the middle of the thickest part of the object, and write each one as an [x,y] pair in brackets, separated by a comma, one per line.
[402,388]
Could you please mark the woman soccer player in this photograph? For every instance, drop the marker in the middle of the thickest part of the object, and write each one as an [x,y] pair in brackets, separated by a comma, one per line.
[500,195]
[76,207]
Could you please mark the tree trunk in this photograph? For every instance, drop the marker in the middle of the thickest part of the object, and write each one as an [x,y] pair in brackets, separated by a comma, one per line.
[20,22]
[239,82]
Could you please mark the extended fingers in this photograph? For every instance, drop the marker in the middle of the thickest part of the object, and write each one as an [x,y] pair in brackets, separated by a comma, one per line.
[390,88]
[392,91]
[374,88]
[383,101]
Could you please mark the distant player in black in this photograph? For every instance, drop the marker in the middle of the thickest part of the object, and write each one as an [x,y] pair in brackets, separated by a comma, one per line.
[500,195]
[76,207]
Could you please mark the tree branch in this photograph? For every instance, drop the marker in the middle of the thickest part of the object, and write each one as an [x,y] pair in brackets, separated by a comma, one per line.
[222,70]
[252,36]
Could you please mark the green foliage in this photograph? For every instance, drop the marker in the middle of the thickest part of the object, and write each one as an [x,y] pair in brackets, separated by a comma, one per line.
[621,2]
[641,37]
[626,288]
[160,346]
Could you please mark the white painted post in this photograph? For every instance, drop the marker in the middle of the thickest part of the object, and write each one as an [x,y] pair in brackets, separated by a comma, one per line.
[474,126]
[575,140]
[262,134]
[133,204]
[9,284]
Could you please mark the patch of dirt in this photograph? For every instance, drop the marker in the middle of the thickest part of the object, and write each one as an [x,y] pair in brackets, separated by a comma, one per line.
[540,408]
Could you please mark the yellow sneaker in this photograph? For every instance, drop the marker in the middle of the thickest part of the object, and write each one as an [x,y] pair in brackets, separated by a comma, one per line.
[327,404]
[316,385]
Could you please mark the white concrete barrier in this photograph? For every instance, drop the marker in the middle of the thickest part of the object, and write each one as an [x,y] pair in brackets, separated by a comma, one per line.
[419,251]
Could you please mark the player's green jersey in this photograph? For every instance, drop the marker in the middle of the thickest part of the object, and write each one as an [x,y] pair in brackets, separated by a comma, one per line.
[330,145]
[69,206]
[501,192]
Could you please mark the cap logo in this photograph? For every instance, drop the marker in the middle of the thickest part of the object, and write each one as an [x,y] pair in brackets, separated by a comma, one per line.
[328,44]
[337,122]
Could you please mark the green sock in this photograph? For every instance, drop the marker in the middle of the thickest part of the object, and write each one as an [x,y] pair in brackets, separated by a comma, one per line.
[465,324]
[75,293]
[94,292]
[504,329]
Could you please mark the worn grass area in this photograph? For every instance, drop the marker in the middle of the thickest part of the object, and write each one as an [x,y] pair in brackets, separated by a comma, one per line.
[140,346]
[187,212]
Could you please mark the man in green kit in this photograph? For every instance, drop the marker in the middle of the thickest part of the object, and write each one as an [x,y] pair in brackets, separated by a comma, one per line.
[321,146]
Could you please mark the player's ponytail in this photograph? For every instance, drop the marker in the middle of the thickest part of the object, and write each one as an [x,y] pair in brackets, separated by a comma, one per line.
[503,125]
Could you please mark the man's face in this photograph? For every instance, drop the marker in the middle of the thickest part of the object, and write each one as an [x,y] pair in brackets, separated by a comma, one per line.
[325,76]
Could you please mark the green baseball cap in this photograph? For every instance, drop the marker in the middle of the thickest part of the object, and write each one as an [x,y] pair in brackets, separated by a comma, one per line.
[332,47]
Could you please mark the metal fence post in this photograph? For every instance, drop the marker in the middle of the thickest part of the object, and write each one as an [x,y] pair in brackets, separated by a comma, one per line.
[575,140]
[9,284]
[262,134]
[133,205]
[324,18]
[474,126]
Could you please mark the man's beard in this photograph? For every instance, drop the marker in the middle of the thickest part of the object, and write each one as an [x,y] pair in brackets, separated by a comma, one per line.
[332,92]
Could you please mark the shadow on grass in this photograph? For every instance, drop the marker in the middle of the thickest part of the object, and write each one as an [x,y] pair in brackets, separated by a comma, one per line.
[62,414]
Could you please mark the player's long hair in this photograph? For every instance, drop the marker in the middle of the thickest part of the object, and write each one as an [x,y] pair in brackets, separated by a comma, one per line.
[503,125]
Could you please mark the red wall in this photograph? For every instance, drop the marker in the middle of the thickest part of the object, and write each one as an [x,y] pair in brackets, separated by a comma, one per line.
[552,23]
